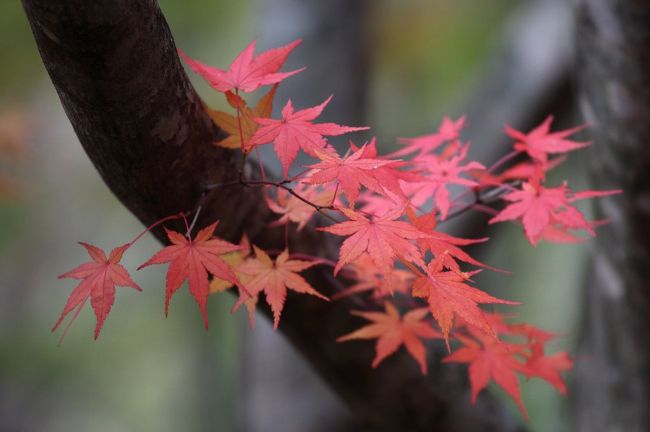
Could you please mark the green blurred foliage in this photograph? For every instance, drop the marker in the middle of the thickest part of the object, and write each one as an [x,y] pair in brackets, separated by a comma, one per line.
[21,64]
[425,54]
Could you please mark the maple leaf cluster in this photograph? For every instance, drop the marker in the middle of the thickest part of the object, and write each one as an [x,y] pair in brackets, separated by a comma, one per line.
[388,209]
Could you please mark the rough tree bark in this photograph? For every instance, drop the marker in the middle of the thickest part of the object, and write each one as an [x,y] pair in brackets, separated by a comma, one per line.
[613,379]
[115,68]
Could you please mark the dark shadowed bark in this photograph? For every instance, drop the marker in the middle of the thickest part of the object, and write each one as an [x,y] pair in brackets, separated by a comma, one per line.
[115,68]
[613,376]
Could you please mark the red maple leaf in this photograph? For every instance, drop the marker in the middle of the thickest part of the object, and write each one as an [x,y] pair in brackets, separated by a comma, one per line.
[540,142]
[538,208]
[99,278]
[442,244]
[549,367]
[350,172]
[274,278]
[383,238]
[494,360]
[449,294]
[441,173]
[388,176]
[546,367]
[246,72]
[295,130]
[392,331]
[193,259]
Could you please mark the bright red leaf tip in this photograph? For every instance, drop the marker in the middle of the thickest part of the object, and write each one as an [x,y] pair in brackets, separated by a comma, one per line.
[392,331]
[295,131]
[541,142]
[274,278]
[99,278]
[193,259]
[246,72]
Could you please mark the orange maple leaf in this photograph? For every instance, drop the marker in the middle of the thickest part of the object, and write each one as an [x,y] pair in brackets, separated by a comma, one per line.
[244,127]
[274,278]
[234,260]
[392,331]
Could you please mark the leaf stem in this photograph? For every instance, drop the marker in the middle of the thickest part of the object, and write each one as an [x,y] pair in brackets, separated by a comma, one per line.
[154,225]
[502,161]
[194,219]
[241,138]
[282,184]
[481,201]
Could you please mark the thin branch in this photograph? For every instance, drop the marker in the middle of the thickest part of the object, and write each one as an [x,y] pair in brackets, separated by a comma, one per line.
[279,184]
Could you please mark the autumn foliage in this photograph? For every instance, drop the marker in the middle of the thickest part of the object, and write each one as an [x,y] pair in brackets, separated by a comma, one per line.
[387,209]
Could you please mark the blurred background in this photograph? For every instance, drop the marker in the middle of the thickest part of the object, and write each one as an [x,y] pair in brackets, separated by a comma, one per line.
[398,66]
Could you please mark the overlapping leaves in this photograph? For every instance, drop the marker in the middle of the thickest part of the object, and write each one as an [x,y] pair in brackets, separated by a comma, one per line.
[388,211]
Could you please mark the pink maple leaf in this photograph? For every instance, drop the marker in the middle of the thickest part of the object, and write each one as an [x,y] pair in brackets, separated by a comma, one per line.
[540,142]
[246,72]
[295,131]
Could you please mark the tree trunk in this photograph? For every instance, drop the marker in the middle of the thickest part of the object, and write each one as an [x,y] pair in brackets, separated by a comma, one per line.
[115,68]
[613,375]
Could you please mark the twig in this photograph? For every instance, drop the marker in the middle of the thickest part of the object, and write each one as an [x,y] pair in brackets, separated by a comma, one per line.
[282,184]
